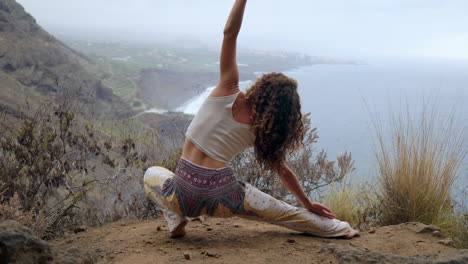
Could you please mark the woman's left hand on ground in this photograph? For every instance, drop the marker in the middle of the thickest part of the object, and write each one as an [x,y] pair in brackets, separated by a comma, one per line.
[320,209]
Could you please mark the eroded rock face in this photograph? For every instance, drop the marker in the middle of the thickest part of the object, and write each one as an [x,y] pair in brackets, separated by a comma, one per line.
[19,245]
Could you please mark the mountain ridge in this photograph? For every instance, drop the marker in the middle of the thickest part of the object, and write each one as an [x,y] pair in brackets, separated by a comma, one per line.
[34,65]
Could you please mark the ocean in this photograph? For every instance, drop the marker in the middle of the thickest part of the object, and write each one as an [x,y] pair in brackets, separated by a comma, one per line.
[345,101]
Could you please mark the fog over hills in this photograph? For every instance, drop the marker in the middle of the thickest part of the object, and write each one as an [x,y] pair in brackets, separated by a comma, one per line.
[355,28]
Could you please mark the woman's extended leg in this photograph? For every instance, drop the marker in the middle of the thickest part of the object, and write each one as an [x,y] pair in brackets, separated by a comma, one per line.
[154,180]
[254,205]
[277,212]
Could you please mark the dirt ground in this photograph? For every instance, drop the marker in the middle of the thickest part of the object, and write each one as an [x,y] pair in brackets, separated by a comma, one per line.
[241,241]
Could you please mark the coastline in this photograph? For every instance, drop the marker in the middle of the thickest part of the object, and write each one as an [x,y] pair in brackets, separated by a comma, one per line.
[192,105]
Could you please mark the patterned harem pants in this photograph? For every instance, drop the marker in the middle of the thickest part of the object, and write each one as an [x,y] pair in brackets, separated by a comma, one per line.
[194,190]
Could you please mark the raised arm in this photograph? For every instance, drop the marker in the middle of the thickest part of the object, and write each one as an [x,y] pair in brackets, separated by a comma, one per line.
[229,79]
[289,179]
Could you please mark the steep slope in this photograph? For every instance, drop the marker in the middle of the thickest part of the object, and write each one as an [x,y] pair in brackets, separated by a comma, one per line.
[34,65]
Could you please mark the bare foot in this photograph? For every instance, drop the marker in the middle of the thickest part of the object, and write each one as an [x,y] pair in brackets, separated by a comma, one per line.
[179,231]
[351,234]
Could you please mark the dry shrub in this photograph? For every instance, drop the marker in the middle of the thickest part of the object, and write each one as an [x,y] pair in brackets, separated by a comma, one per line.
[46,156]
[418,166]
[59,170]
[314,172]
[134,148]
[36,221]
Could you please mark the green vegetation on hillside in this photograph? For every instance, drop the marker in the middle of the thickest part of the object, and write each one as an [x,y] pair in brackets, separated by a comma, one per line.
[127,68]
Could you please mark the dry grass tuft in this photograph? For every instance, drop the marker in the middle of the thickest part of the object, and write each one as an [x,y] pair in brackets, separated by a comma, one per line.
[418,167]
[356,204]
[342,201]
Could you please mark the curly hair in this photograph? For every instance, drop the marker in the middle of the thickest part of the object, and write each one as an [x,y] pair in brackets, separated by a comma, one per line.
[276,119]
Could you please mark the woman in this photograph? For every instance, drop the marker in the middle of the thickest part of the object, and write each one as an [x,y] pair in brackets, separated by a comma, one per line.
[267,117]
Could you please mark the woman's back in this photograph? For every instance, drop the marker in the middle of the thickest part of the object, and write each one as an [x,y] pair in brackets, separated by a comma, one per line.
[218,132]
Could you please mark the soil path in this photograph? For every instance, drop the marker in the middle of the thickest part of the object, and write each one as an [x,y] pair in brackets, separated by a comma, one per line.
[241,241]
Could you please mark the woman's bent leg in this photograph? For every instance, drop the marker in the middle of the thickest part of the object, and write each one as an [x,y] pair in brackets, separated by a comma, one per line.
[280,213]
[154,180]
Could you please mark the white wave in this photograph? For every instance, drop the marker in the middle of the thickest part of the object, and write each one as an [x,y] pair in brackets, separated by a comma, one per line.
[192,106]
[156,110]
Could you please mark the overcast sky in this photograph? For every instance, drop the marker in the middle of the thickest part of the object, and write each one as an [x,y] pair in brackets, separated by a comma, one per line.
[353,28]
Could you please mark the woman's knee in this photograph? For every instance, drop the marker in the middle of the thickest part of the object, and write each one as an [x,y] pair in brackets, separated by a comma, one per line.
[155,175]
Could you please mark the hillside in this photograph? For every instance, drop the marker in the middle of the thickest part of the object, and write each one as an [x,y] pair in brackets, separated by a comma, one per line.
[34,65]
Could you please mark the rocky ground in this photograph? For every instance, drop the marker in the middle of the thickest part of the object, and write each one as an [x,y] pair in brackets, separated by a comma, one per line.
[241,241]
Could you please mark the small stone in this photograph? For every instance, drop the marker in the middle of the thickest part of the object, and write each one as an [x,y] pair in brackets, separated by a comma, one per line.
[236,226]
[209,229]
[213,255]
[372,231]
[290,241]
[158,228]
[438,234]
[79,229]
[447,242]
[218,223]
[422,228]
[187,256]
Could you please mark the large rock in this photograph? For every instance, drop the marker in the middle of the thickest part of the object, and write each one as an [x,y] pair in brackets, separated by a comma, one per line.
[19,245]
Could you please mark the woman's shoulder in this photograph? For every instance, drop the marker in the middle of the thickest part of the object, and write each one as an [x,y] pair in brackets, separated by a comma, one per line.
[224,91]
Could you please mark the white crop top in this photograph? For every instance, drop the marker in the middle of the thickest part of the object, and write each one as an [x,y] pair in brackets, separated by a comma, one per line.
[215,132]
